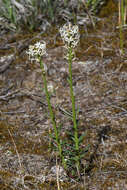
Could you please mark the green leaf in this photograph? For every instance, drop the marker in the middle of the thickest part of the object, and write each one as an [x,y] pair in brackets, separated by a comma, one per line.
[83,152]
[77,111]
[73,139]
[68,80]
[59,128]
[81,137]
[76,158]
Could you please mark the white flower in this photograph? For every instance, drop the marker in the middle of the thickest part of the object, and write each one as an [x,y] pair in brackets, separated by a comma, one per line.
[41,48]
[36,51]
[70,35]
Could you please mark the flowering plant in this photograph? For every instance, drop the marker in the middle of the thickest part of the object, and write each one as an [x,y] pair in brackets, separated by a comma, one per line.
[70,35]
[36,51]
[69,151]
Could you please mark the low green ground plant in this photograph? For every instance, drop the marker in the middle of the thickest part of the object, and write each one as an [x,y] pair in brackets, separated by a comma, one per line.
[95,5]
[33,15]
[8,11]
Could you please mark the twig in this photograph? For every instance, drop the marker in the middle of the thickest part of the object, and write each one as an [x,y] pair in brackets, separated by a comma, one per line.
[57,175]
[9,95]
[15,147]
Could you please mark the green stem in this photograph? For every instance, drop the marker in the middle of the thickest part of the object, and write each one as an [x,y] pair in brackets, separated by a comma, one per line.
[122,12]
[50,109]
[70,54]
[70,57]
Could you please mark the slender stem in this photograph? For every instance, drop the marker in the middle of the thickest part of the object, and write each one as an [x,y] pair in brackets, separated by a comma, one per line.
[50,109]
[121,23]
[70,57]
[70,54]
[122,11]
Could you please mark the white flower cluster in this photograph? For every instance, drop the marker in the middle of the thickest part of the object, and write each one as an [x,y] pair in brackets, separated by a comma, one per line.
[36,51]
[70,35]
